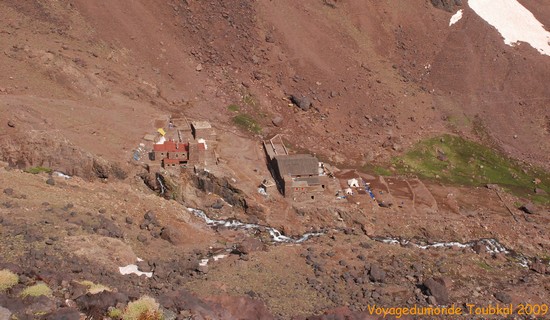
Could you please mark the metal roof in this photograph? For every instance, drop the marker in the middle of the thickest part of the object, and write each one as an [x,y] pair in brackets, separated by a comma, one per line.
[297,165]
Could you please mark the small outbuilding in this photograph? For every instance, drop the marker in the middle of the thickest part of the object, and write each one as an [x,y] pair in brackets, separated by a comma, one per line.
[202,130]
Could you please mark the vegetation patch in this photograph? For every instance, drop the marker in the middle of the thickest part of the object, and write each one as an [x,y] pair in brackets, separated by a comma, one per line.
[144,308]
[39,289]
[484,265]
[37,170]
[246,122]
[249,99]
[379,170]
[114,313]
[233,108]
[94,288]
[7,280]
[454,160]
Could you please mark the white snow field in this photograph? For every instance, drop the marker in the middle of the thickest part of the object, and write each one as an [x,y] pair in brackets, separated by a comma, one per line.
[514,22]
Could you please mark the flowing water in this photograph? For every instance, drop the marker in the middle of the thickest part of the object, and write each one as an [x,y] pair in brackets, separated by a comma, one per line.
[162,188]
[276,235]
[492,246]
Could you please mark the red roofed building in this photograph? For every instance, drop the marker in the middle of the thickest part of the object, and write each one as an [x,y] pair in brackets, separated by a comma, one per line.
[171,153]
[166,163]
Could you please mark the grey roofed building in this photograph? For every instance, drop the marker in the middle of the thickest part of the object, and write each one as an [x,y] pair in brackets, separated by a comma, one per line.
[297,165]
[197,125]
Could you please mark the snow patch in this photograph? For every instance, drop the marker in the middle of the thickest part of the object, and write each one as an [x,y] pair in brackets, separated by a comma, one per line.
[204,262]
[457,16]
[132,268]
[514,22]
[61,174]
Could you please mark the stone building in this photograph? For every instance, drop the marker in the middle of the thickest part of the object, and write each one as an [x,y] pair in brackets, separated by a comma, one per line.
[297,176]
[202,130]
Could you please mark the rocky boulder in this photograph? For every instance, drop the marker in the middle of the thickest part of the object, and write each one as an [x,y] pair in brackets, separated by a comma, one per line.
[5,314]
[376,274]
[249,245]
[529,208]
[302,102]
[277,121]
[96,305]
[539,267]
[172,235]
[436,287]
[503,297]
[63,314]
[447,5]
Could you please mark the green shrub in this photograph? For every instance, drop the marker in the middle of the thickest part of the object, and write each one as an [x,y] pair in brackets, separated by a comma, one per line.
[114,313]
[94,288]
[39,289]
[7,280]
[249,100]
[37,170]
[246,122]
[233,108]
[146,308]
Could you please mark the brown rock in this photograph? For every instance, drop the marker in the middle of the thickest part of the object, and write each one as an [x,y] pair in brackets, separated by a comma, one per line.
[436,287]
[539,267]
[249,245]
[11,124]
[479,248]
[269,38]
[63,314]
[144,266]
[529,208]
[277,121]
[96,305]
[203,269]
[5,314]
[142,238]
[503,297]
[376,273]
[302,102]
[172,235]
